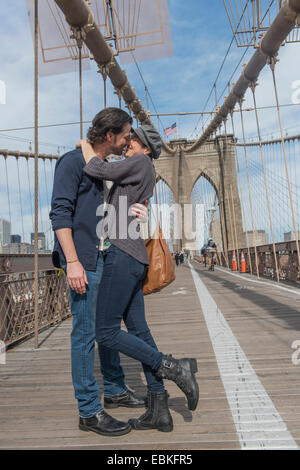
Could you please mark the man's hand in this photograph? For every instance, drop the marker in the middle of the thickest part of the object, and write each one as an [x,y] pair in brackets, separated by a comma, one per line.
[77,277]
[87,150]
[140,211]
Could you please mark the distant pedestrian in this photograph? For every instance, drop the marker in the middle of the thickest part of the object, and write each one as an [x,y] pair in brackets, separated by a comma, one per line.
[177,258]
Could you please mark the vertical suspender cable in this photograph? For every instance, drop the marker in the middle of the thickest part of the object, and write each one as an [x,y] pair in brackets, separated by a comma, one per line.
[234,226]
[242,198]
[272,65]
[79,44]
[224,228]
[47,197]
[104,88]
[253,85]
[20,199]
[147,100]
[7,188]
[30,195]
[233,212]
[36,181]
[230,221]
[249,187]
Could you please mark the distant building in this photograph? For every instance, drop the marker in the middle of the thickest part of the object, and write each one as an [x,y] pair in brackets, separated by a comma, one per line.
[261,237]
[289,236]
[41,241]
[16,249]
[15,239]
[5,231]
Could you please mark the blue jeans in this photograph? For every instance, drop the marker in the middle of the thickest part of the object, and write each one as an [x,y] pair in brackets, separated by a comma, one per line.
[121,298]
[86,388]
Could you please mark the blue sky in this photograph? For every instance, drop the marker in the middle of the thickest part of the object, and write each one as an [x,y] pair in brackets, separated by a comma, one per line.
[201,35]
[178,83]
[183,82]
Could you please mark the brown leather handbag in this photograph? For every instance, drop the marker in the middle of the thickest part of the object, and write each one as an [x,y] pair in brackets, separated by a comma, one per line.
[161,270]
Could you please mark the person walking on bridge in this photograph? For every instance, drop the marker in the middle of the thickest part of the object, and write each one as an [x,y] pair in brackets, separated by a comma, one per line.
[125,265]
[75,200]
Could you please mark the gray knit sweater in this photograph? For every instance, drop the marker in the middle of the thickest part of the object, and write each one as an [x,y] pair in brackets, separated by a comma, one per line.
[133,180]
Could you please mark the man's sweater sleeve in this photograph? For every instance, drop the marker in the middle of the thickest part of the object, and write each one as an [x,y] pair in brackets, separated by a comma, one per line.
[67,178]
[129,171]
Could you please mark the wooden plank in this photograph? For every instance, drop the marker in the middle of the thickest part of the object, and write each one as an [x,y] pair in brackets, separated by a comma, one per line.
[37,405]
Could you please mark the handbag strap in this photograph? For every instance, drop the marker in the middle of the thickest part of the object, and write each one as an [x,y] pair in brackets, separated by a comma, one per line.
[156,201]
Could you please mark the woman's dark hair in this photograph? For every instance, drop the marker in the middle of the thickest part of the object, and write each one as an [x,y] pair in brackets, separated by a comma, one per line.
[109,119]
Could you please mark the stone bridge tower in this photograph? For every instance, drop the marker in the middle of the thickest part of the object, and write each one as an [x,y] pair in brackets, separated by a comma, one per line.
[180,166]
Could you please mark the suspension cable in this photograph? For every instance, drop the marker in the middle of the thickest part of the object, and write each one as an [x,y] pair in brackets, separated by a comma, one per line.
[272,66]
[241,192]
[235,239]
[30,195]
[20,199]
[252,86]
[7,189]
[249,187]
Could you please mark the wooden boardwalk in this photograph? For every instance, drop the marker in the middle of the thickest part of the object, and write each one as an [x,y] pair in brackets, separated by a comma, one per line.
[38,410]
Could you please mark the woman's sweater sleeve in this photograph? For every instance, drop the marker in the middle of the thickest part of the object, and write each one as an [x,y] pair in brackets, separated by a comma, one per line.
[128,171]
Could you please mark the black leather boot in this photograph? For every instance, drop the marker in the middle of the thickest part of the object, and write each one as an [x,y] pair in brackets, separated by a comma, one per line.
[127,399]
[181,371]
[157,415]
[103,423]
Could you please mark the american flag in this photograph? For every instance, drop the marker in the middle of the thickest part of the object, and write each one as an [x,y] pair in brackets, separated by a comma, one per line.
[170,130]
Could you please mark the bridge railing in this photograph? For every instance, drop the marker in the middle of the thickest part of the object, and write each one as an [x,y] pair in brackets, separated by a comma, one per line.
[261,261]
[17,319]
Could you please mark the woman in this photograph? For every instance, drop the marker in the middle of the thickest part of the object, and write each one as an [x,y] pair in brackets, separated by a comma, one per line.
[125,263]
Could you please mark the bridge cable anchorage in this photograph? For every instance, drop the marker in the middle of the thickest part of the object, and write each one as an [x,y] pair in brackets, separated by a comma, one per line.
[252,87]
[241,192]
[241,99]
[272,62]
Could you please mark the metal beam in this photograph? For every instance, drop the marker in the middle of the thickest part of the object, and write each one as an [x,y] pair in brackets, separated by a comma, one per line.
[269,46]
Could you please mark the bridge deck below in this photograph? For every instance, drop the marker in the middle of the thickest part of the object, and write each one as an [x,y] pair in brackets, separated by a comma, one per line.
[261,321]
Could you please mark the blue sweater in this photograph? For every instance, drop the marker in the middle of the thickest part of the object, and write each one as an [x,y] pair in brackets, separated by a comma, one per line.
[75,199]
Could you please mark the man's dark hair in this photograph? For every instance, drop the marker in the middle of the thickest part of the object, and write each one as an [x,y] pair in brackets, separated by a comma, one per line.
[109,119]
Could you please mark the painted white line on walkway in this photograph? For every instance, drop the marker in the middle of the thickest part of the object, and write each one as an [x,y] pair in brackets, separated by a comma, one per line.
[239,377]
[259,281]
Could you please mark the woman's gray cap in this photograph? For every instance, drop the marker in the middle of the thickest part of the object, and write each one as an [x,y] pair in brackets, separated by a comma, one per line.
[149,136]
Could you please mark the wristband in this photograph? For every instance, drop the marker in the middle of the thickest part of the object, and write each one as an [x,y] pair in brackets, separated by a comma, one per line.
[72,261]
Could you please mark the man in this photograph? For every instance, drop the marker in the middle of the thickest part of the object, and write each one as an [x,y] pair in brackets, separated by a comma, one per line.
[211,248]
[75,200]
